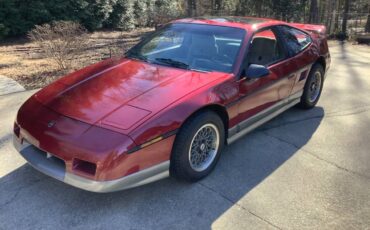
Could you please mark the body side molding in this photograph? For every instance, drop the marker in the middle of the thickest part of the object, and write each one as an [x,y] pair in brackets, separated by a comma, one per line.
[262,117]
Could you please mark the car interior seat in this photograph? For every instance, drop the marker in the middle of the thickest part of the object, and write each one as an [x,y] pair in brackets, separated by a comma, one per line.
[203,46]
[263,51]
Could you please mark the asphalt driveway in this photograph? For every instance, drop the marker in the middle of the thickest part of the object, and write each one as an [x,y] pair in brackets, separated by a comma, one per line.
[303,170]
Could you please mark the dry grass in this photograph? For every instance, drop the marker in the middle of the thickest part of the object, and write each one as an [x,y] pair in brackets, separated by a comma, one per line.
[25,63]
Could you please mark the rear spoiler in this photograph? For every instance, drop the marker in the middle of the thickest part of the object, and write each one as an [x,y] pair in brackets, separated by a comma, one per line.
[319,29]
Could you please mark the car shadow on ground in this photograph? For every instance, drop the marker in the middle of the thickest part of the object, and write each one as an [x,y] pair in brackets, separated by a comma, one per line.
[33,199]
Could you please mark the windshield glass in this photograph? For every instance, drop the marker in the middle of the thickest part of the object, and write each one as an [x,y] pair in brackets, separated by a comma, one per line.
[191,46]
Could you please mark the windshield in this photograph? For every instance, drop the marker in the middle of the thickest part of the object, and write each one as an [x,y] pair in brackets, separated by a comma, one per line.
[191,46]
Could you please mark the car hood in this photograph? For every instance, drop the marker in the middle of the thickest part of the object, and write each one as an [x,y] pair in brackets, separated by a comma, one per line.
[120,93]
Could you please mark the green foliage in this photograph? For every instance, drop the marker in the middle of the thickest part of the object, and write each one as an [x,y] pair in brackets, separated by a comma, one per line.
[150,8]
[17,20]
[165,10]
[94,13]
[122,16]
[168,8]
[7,10]
[287,10]
[228,5]
[17,17]
[141,12]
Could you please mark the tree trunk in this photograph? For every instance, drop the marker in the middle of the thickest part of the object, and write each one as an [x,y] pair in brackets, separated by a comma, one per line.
[367,27]
[259,8]
[322,9]
[218,6]
[336,17]
[314,12]
[192,6]
[304,12]
[345,16]
[331,16]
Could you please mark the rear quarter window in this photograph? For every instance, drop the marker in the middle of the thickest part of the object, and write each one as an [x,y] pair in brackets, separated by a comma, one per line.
[296,40]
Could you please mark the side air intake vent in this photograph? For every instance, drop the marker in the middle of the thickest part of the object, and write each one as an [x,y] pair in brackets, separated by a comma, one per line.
[84,166]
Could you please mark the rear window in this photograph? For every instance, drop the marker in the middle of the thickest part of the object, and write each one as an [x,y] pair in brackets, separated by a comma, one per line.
[297,40]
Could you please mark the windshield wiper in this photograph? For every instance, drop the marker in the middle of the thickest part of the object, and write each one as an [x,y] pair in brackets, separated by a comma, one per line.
[173,63]
[136,56]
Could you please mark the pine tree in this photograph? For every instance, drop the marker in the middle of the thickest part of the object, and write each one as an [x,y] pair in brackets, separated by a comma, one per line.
[10,19]
[94,13]
[141,13]
[166,10]
[122,16]
[150,12]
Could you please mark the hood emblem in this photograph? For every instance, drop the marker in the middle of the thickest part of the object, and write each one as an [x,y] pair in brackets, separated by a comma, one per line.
[51,124]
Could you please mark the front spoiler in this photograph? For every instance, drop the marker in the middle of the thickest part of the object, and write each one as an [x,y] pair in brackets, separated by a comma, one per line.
[55,168]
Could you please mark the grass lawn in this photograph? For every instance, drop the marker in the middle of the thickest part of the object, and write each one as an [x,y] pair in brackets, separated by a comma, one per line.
[23,61]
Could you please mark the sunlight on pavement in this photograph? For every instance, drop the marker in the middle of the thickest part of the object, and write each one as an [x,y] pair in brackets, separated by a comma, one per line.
[10,160]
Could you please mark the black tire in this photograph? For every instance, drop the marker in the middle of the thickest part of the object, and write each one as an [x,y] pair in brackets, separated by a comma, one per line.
[180,166]
[308,100]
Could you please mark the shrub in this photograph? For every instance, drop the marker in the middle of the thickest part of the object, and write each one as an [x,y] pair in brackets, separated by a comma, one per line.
[164,11]
[4,31]
[60,41]
[141,13]
[94,13]
[122,16]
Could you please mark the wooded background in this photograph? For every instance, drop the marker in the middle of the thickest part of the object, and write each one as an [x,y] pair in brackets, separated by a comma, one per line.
[342,17]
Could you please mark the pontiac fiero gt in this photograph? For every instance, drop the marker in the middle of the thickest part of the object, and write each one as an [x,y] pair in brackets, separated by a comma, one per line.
[172,102]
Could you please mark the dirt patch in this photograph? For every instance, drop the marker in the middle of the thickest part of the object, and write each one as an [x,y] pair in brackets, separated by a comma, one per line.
[24,62]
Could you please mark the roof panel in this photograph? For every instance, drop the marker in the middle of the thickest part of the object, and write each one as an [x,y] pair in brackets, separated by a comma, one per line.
[233,21]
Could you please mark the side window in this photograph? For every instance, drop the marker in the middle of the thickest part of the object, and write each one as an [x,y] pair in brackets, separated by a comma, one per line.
[296,40]
[265,49]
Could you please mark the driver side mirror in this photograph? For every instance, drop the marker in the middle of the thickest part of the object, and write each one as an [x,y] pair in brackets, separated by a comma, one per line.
[255,71]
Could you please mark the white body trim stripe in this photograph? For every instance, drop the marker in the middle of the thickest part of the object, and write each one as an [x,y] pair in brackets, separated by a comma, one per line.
[262,117]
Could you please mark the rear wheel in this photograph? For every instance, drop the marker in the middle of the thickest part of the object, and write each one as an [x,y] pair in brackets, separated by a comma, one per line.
[313,87]
[197,147]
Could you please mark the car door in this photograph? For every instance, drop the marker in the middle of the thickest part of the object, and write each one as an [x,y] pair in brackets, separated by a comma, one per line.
[261,95]
[301,57]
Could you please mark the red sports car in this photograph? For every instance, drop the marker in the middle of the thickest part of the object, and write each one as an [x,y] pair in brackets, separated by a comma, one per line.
[172,102]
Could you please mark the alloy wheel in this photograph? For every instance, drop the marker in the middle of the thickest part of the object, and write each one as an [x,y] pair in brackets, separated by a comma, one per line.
[204,147]
[315,87]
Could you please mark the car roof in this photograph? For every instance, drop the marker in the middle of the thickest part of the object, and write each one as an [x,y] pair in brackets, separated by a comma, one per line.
[248,23]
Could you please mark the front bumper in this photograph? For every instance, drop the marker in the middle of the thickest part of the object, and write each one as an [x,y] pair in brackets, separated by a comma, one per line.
[55,167]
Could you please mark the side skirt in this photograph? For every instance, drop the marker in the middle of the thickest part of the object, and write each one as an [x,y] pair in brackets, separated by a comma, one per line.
[262,117]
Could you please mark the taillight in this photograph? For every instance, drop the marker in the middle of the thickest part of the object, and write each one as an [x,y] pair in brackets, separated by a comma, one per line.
[84,166]
[16,129]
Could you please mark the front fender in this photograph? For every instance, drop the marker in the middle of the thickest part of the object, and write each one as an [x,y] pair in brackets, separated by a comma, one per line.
[171,118]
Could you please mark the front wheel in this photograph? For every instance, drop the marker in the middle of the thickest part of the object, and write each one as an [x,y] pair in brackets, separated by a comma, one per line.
[313,87]
[197,147]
